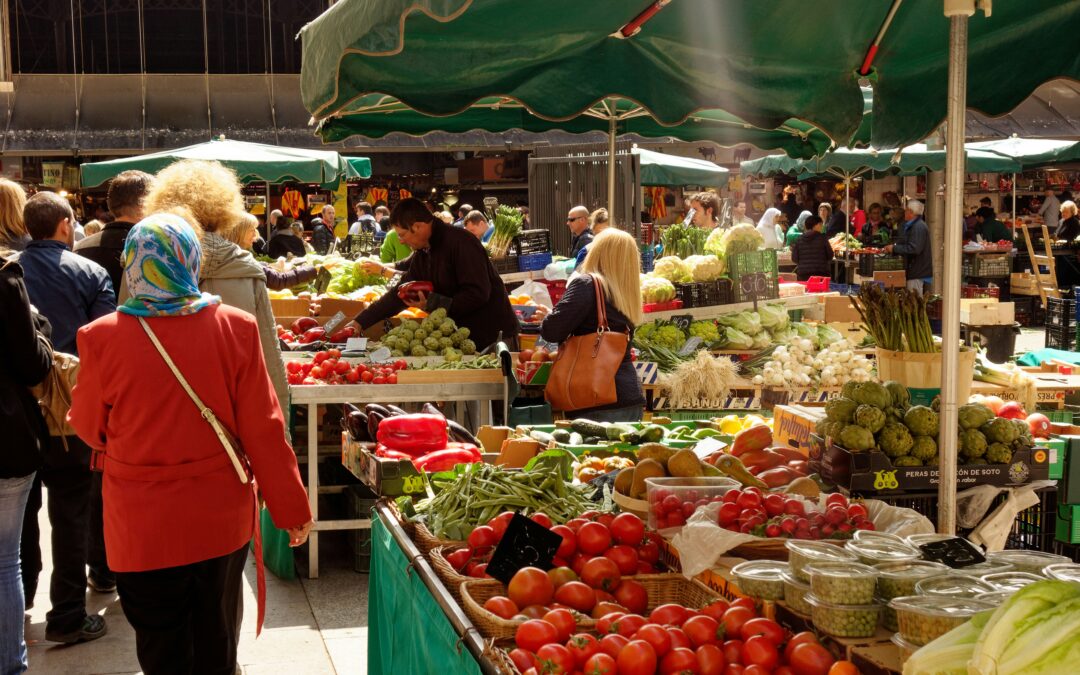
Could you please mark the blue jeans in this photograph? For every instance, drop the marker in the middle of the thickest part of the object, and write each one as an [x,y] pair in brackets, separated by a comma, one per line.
[630,413]
[13,493]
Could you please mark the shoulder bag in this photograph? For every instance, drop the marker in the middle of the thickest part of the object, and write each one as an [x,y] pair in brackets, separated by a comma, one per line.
[583,374]
[228,441]
[53,394]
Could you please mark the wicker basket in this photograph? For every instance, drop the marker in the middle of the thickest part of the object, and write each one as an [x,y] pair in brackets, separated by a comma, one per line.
[450,577]
[425,540]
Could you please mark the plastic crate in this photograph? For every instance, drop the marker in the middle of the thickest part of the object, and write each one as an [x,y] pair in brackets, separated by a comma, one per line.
[662,306]
[646,259]
[691,295]
[718,292]
[360,501]
[842,289]
[1060,313]
[868,264]
[507,265]
[529,262]
[1058,337]
[974,291]
[1068,524]
[817,285]
[533,241]
[754,262]
[556,288]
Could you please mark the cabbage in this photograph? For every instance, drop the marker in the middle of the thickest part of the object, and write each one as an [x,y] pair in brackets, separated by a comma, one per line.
[783,335]
[747,322]
[773,317]
[705,267]
[828,335]
[805,331]
[762,340]
[655,289]
[673,269]
[736,339]
[738,239]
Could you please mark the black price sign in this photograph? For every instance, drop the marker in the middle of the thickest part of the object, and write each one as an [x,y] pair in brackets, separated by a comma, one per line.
[683,321]
[955,552]
[525,544]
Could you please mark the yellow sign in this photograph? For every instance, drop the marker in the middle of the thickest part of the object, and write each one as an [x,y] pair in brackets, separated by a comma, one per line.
[341,210]
[52,174]
[885,480]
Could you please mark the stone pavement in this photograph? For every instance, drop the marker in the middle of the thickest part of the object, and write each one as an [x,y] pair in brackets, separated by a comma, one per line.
[312,627]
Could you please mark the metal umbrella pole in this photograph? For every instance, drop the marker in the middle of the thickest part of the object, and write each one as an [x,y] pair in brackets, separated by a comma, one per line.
[1014,205]
[612,130]
[958,12]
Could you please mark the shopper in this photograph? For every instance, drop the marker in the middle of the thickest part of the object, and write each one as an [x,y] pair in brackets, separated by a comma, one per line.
[211,193]
[365,222]
[13,235]
[706,206]
[127,192]
[796,230]
[989,227]
[283,241]
[613,262]
[243,234]
[393,250]
[789,203]
[382,217]
[178,521]
[463,210]
[738,215]
[456,264]
[322,230]
[1069,226]
[812,252]
[477,224]
[70,291]
[580,234]
[876,232]
[25,360]
[770,231]
[858,219]
[1050,210]
[92,228]
[837,222]
[914,244]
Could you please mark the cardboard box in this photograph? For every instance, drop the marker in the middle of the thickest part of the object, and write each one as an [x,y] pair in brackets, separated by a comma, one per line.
[839,308]
[793,424]
[492,437]
[290,306]
[984,312]
[331,306]
[853,331]
[892,278]
[516,453]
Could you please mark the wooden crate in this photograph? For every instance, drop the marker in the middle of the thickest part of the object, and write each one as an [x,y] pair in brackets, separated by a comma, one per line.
[987,312]
[449,376]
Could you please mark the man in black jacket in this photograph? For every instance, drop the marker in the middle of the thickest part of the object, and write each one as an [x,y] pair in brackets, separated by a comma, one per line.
[126,194]
[458,267]
[322,230]
[812,252]
[914,244]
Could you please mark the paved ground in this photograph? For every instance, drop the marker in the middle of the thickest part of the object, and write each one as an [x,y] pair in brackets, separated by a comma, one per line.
[312,627]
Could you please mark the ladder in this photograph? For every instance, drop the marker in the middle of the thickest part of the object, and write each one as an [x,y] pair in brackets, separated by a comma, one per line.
[1045,282]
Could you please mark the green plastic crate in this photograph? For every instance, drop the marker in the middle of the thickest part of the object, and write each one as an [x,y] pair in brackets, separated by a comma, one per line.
[702,415]
[1059,416]
[752,262]
[1068,523]
[1057,448]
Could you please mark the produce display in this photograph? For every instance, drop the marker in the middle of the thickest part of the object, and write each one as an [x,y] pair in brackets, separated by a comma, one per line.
[428,440]
[435,335]
[896,318]
[328,367]
[761,579]
[683,241]
[798,364]
[843,583]
[850,621]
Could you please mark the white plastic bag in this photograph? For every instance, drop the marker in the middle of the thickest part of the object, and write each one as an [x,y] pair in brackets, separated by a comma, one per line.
[537,291]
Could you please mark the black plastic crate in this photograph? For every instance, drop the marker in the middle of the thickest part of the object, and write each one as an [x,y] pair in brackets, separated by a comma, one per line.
[506,265]
[1058,337]
[690,294]
[868,264]
[533,241]
[1060,313]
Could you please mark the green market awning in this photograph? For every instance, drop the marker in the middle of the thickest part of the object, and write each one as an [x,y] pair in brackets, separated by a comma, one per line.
[845,163]
[763,62]
[1032,152]
[658,168]
[252,162]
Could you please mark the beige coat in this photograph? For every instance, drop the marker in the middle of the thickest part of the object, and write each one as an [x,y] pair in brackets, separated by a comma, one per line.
[233,273]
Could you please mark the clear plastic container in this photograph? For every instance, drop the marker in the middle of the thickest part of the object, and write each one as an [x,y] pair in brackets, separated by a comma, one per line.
[906,648]
[688,494]
[1063,571]
[843,583]
[952,585]
[804,553]
[844,620]
[995,598]
[1012,581]
[761,579]
[795,592]
[897,579]
[1032,562]
[984,568]
[871,535]
[876,551]
[923,618]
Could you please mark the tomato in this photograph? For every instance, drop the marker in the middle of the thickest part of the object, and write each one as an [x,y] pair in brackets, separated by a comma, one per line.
[482,538]
[606,623]
[678,661]
[770,629]
[729,669]
[703,630]
[500,522]
[637,658]
[843,668]
[656,636]
[294,367]
[501,606]
[391,378]
[603,609]
[352,377]
[628,529]
[809,658]
[458,558]
[749,500]
[710,660]
[745,602]
[533,612]
[755,669]
[577,563]
[561,575]
[593,538]
[600,664]
[628,624]
[576,595]
[541,518]
[583,646]
[733,619]
[649,552]
[575,524]
[563,620]
[342,367]
[715,609]
[534,634]
[367,376]
[733,651]
[378,379]
[633,596]
[798,639]
[568,547]
[612,644]
[401,364]
[555,659]
[678,638]
[625,557]
[605,519]
[761,651]
[600,573]
[668,615]
[523,659]
[530,586]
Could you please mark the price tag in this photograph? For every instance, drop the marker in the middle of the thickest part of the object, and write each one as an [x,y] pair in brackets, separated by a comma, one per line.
[708,446]
[690,346]
[356,344]
[334,322]
[683,321]
[955,552]
[380,355]
[525,544]
[754,287]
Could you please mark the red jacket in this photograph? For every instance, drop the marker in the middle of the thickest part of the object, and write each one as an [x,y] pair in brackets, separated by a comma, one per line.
[171,496]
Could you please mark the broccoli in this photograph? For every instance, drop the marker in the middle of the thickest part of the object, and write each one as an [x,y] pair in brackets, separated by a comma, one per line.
[841,410]
[921,420]
[924,447]
[907,460]
[869,417]
[1000,430]
[974,415]
[895,440]
[645,332]
[468,347]
[418,350]
[901,397]
[706,330]
[431,344]
[972,443]
[872,393]
[670,336]
[856,438]
[998,453]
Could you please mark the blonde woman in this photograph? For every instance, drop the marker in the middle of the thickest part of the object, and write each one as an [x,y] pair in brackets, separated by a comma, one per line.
[13,234]
[599,221]
[91,228]
[243,234]
[211,193]
[614,262]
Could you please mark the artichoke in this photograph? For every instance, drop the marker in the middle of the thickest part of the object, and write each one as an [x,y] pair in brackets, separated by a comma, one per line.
[841,410]
[1000,430]
[972,443]
[998,453]
[924,447]
[921,420]
[907,460]
[895,440]
[869,417]
[935,404]
[856,438]
[848,390]
[872,393]
[901,397]
[974,415]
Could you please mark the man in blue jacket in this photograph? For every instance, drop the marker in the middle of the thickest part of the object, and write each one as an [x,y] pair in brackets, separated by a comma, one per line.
[914,244]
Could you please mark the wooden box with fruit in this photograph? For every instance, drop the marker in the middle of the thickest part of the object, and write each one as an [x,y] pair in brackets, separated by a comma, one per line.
[534,366]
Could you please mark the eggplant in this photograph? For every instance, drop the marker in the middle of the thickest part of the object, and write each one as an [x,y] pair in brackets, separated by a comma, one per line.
[395,411]
[356,423]
[376,408]
[461,434]
[373,419]
[430,409]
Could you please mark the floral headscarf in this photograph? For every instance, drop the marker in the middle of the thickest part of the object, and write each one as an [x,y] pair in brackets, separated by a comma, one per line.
[161,268]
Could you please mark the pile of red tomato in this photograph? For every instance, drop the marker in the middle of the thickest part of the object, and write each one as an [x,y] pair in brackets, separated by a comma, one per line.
[719,639]
[762,514]
[327,367]
[621,540]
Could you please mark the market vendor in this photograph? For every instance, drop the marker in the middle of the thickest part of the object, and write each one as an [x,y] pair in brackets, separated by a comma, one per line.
[989,227]
[463,279]
[914,244]
[876,231]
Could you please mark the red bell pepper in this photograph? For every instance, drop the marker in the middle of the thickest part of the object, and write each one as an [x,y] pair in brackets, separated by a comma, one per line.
[444,460]
[385,452]
[303,324]
[465,446]
[313,335]
[416,434]
[343,334]
[412,289]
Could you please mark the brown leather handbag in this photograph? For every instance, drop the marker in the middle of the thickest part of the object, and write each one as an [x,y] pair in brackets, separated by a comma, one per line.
[583,374]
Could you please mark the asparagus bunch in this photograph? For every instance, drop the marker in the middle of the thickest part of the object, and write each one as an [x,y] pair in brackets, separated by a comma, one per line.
[896,318]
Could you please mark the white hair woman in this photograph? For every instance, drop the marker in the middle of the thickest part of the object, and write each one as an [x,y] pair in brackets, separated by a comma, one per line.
[1069,226]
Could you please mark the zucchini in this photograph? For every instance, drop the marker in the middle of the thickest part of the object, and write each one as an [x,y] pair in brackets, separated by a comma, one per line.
[592,440]
[544,437]
[589,428]
[561,436]
[616,431]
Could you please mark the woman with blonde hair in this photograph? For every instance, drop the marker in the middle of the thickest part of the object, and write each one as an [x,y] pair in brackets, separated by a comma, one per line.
[614,262]
[211,193]
[243,234]
[599,220]
[13,234]
[93,227]
[1069,226]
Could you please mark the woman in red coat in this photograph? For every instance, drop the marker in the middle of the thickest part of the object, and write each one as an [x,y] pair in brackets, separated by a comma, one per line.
[178,519]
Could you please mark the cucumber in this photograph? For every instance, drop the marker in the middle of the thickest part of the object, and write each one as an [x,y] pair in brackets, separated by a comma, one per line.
[651,434]
[561,436]
[544,437]
[589,428]
[576,438]
[616,431]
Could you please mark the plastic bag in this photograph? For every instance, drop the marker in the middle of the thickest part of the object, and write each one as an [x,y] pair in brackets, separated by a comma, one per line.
[535,290]
[992,533]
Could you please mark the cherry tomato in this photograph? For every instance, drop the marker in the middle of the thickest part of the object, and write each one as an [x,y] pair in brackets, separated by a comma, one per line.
[367,376]
[836,499]
[636,658]
[593,538]
[760,651]
[576,595]
[534,634]
[628,529]
[563,621]
[583,646]
[668,615]
[555,659]
[568,547]
[678,661]
[809,658]
[530,586]
[401,364]
[378,379]
[770,629]
[656,636]
[501,606]
[703,630]
[856,511]
[710,660]
[612,644]
[391,378]
[728,514]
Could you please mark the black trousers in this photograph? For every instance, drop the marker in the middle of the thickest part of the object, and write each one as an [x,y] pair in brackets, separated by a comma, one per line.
[67,475]
[95,554]
[187,618]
